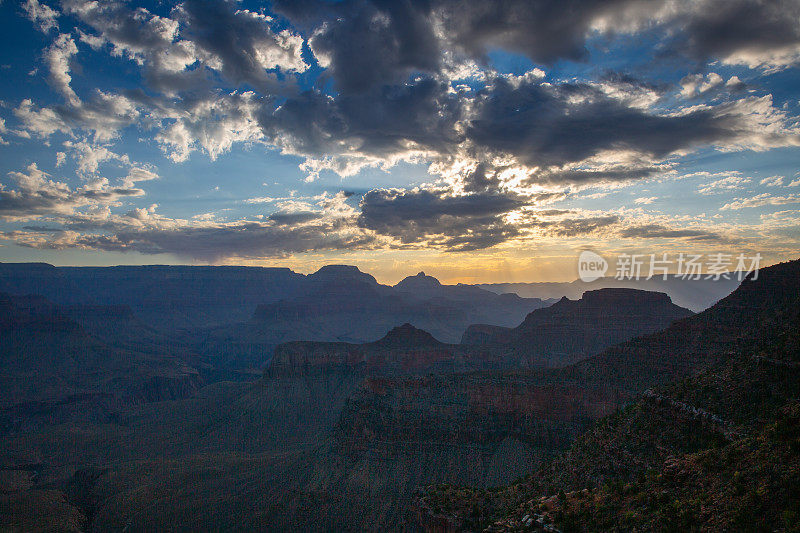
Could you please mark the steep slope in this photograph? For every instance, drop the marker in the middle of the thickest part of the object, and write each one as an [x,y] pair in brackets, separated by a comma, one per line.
[569,331]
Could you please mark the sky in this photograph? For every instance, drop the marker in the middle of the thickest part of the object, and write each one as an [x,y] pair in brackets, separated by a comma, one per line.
[477,141]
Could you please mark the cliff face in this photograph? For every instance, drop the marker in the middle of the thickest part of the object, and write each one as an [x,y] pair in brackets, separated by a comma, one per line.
[475,411]
[569,331]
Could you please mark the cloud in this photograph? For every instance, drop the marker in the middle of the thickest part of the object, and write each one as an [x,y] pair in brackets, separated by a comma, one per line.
[728,183]
[772,181]
[236,43]
[210,124]
[58,56]
[394,100]
[242,44]
[36,195]
[329,227]
[562,133]
[657,231]
[400,81]
[90,156]
[756,34]
[596,172]
[541,124]
[372,44]
[761,200]
[364,43]
[575,227]
[436,218]
[695,84]
[42,15]
[104,116]
[375,128]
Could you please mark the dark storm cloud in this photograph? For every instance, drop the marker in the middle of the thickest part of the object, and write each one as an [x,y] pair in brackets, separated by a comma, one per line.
[380,122]
[368,43]
[545,30]
[552,125]
[589,176]
[30,204]
[237,38]
[293,218]
[242,240]
[721,28]
[389,61]
[481,179]
[541,125]
[434,218]
[467,222]
[377,43]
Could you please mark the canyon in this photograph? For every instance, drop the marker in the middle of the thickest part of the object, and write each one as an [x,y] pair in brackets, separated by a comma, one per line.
[341,434]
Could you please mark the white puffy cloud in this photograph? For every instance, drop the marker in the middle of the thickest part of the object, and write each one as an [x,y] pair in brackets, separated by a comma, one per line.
[36,194]
[772,181]
[695,84]
[44,16]
[732,181]
[89,156]
[212,125]
[58,56]
[645,200]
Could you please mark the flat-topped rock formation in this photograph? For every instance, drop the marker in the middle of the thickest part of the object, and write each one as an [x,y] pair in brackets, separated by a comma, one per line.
[404,349]
[571,330]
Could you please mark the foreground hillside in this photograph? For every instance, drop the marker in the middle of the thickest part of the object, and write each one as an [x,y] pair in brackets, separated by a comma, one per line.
[719,450]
